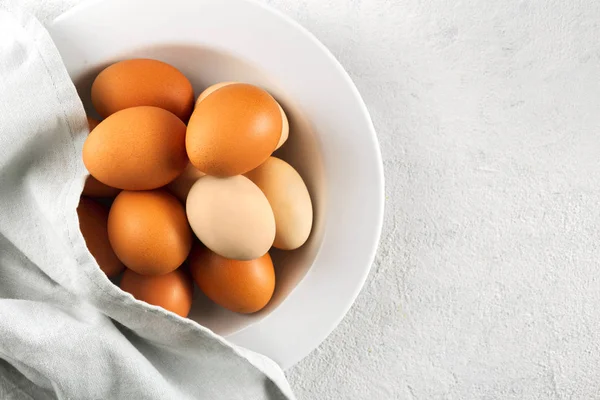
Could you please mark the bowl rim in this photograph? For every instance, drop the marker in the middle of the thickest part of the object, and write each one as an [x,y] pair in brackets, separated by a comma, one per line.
[251,335]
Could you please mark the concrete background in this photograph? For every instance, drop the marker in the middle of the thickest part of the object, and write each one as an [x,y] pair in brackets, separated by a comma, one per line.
[486,284]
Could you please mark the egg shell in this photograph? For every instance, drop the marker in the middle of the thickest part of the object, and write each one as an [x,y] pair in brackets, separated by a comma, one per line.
[93,219]
[211,89]
[233,130]
[139,148]
[289,199]
[142,82]
[94,188]
[240,286]
[181,186]
[149,232]
[172,291]
[285,128]
[231,216]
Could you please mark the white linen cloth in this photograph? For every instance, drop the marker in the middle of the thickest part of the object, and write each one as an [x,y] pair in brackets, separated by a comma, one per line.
[66,331]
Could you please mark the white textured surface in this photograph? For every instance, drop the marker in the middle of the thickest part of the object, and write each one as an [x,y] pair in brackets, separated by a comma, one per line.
[487,281]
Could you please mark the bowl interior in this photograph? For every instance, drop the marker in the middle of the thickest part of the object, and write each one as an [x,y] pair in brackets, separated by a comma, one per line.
[204,66]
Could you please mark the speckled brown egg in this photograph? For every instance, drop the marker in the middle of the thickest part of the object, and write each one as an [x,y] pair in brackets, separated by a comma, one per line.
[240,286]
[93,219]
[149,232]
[139,148]
[172,291]
[289,199]
[233,130]
[142,82]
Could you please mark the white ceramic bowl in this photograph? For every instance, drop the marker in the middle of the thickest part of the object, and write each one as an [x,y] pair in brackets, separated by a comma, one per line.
[332,144]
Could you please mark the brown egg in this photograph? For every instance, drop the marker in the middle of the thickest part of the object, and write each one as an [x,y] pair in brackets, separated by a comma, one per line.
[289,199]
[231,216]
[181,186]
[233,130]
[139,148]
[94,188]
[142,82]
[149,231]
[93,218]
[285,128]
[172,291]
[92,123]
[211,89]
[240,286]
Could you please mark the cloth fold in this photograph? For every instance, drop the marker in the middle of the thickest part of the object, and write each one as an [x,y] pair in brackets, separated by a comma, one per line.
[66,331]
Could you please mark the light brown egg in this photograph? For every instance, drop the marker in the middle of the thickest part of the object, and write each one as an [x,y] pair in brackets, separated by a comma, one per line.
[172,291]
[149,232]
[289,199]
[94,188]
[231,216]
[93,219]
[233,130]
[139,148]
[181,186]
[240,286]
[285,128]
[142,82]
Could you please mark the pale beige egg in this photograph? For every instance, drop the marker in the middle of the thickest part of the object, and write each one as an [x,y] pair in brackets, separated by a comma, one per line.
[231,216]
[289,199]
[285,128]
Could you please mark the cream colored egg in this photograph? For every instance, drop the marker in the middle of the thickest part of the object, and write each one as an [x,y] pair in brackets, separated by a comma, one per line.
[285,127]
[181,186]
[289,199]
[231,216]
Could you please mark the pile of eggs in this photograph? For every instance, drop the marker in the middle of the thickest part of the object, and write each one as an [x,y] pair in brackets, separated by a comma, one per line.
[198,196]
